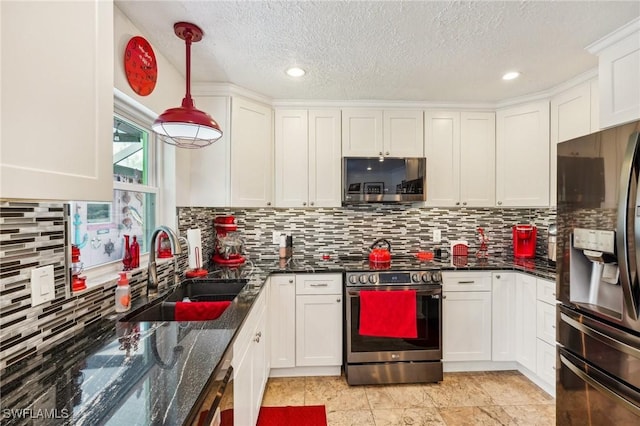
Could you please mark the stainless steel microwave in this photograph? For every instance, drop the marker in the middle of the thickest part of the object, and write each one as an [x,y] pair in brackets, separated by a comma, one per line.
[384,180]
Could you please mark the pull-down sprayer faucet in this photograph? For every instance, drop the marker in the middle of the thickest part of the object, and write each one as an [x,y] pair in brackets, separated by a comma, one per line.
[176,249]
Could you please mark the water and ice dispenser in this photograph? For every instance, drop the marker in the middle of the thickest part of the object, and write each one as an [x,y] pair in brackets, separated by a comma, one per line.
[594,272]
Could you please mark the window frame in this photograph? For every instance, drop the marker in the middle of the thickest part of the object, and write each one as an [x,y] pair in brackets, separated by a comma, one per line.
[130,110]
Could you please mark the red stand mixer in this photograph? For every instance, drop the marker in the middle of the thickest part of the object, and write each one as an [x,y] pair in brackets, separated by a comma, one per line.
[229,248]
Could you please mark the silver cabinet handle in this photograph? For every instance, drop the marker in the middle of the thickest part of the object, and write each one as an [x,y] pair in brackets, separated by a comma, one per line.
[498,277]
[464,203]
[466,282]
[311,203]
[268,203]
[380,153]
[338,300]
[457,203]
[386,153]
[319,285]
[499,203]
[304,203]
[290,281]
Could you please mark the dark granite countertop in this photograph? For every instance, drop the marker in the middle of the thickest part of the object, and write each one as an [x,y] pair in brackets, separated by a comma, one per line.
[152,373]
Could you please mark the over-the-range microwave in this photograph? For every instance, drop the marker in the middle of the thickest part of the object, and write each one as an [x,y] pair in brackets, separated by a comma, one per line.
[384,180]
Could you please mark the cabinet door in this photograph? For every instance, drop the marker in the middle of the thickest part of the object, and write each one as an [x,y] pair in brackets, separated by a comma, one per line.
[362,133]
[570,118]
[292,158]
[282,320]
[503,334]
[546,362]
[325,158]
[243,413]
[403,133]
[526,321]
[477,159]
[466,327]
[260,365]
[203,179]
[442,149]
[64,79]
[251,154]
[546,322]
[546,291]
[319,330]
[522,156]
[618,68]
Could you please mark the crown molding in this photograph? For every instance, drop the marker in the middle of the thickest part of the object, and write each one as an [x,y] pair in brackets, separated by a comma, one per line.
[614,37]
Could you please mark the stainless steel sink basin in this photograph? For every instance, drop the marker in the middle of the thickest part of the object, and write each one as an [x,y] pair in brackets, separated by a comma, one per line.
[196,290]
[207,290]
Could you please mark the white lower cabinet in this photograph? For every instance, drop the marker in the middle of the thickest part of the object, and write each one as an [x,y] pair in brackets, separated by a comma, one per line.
[251,364]
[466,316]
[503,298]
[546,332]
[318,330]
[546,363]
[526,321]
[305,321]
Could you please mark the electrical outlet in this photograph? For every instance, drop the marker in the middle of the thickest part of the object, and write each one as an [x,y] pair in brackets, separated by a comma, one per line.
[275,237]
[437,236]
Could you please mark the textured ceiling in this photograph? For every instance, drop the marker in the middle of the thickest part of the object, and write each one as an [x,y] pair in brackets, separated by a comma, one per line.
[430,51]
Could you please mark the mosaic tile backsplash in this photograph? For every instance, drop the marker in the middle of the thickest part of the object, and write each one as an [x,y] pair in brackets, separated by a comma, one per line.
[352,230]
[36,234]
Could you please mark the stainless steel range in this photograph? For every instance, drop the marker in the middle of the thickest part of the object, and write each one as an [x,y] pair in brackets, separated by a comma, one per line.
[377,359]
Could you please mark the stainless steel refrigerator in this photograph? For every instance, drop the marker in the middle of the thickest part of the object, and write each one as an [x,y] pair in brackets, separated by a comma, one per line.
[598,317]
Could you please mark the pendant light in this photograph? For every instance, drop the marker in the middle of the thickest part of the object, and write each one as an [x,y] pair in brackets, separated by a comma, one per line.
[186,126]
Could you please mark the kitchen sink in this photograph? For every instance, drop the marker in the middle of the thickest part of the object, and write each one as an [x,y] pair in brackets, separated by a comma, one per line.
[196,290]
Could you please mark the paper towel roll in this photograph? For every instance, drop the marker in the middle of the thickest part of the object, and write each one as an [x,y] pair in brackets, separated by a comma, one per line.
[195,245]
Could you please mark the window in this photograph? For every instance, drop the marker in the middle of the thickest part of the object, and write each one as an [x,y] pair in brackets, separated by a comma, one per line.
[99,229]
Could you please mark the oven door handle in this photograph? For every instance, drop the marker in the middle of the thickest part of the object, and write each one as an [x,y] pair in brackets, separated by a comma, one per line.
[429,292]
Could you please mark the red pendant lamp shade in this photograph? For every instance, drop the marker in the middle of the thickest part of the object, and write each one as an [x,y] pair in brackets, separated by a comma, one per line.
[186,126]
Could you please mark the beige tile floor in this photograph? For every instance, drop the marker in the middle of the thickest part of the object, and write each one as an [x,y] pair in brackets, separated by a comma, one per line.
[485,398]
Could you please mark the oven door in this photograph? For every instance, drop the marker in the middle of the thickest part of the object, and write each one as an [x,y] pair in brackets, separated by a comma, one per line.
[426,347]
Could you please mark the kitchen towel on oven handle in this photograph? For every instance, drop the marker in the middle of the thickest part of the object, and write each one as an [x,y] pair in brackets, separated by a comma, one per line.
[388,313]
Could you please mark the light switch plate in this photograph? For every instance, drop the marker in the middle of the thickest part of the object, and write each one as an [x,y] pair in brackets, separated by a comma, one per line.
[42,285]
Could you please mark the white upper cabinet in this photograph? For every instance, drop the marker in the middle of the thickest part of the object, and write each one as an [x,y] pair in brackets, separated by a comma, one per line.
[618,71]
[308,158]
[522,155]
[388,133]
[403,133]
[251,154]
[573,114]
[460,151]
[64,80]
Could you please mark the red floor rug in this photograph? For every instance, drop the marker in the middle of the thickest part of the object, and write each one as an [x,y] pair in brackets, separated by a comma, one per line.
[309,415]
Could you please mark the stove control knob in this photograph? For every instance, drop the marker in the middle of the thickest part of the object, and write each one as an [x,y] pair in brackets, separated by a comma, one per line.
[362,278]
[373,278]
[353,279]
[415,278]
[436,277]
[426,277]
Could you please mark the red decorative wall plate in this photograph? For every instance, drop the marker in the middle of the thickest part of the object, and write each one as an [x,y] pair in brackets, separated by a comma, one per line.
[140,66]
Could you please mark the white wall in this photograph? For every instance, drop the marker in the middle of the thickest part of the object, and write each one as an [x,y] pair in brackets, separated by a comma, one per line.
[168,93]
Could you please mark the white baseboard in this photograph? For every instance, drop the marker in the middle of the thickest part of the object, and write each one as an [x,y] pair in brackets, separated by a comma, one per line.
[306,371]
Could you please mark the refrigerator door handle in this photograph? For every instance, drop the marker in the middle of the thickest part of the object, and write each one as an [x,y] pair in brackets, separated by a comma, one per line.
[601,383]
[628,236]
[618,339]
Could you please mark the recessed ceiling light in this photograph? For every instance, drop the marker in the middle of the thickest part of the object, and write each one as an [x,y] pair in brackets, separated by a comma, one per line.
[295,72]
[511,75]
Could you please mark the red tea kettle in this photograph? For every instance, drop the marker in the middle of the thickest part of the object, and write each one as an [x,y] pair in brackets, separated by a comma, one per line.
[380,254]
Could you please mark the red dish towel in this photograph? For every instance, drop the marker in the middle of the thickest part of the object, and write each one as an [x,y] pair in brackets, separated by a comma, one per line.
[388,313]
[199,311]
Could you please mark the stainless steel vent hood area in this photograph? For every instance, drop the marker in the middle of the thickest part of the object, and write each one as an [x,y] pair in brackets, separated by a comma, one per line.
[383,180]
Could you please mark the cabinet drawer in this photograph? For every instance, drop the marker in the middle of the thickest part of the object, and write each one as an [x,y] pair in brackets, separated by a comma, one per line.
[546,291]
[466,281]
[546,322]
[319,284]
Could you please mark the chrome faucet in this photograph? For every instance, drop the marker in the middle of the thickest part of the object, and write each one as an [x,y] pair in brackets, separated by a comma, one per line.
[152,270]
